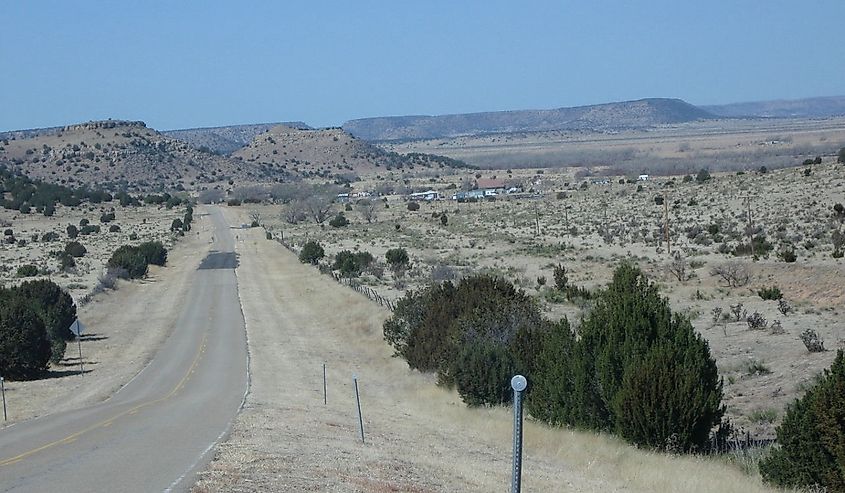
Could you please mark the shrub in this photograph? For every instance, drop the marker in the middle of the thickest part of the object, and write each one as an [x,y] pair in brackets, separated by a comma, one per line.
[812,341]
[131,260]
[177,225]
[443,219]
[772,293]
[637,369]
[154,252]
[475,335]
[809,450]
[702,176]
[114,228]
[756,321]
[89,229]
[107,217]
[72,231]
[413,206]
[787,255]
[840,158]
[56,309]
[27,270]
[397,258]
[311,253]
[339,221]
[24,347]
[351,264]
[75,249]
[561,280]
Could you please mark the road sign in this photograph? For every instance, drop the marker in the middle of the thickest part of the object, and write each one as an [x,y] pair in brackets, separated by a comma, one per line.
[77,328]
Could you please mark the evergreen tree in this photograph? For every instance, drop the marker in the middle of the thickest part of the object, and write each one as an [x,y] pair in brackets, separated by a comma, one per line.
[810,446]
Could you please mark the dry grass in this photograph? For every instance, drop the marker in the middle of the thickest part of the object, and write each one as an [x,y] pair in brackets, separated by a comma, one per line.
[419,437]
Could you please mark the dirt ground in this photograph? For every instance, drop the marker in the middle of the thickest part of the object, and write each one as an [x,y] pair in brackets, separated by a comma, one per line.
[124,328]
[419,437]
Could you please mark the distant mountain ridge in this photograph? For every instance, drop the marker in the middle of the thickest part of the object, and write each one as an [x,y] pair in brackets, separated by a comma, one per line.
[622,115]
[820,107]
[227,139]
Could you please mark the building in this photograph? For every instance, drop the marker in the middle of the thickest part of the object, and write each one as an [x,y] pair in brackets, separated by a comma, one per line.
[642,178]
[428,195]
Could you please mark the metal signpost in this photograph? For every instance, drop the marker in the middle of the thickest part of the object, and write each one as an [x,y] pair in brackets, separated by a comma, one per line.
[3,391]
[358,403]
[76,327]
[518,383]
[325,386]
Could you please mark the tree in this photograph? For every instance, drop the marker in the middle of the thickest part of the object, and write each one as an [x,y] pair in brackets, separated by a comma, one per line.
[24,347]
[678,267]
[177,225]
[294,212]
[413,206]
[311,253]
[397,258]
[367,209]
[637,369]
[702,176]
[72,231]
[561,280]
[733,273]
[319,206]
[56,309]
[810,448]
[474,335]
[339,221]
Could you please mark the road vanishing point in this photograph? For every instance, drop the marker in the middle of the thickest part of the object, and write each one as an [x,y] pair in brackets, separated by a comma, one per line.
[156,432]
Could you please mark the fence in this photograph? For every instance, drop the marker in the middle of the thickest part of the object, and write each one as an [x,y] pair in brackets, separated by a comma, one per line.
[367,291]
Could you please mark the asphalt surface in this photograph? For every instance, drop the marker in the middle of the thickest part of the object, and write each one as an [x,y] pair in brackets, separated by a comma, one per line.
[160,428]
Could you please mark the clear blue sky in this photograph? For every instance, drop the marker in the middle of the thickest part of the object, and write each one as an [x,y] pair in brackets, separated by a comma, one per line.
[178,64]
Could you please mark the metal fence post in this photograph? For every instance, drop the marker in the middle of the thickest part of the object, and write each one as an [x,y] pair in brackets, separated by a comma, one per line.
[3,391]
[518,384]
[358,403]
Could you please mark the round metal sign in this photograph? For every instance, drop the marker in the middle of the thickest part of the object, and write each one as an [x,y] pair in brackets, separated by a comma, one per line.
[519,383]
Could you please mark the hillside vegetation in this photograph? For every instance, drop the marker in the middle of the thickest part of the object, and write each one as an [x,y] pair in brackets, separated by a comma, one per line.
[118,155]
[228,139]
[623,115]
[329,153]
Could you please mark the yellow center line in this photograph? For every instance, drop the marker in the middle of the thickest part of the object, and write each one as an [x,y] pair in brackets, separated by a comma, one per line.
[106,422]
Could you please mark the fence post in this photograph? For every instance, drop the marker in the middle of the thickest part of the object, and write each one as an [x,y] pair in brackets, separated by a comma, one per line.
[358,403]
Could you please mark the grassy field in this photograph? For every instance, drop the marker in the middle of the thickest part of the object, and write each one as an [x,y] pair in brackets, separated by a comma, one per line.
[591,229]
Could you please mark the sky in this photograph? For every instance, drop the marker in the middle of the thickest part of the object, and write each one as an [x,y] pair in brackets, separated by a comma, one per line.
[183,64]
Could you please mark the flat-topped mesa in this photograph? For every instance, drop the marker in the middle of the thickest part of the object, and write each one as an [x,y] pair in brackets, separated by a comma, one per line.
[99,124]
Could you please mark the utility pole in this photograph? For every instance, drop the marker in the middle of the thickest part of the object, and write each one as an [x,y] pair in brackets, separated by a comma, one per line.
[566,215]
[750,227]
[666,223]
[537,218]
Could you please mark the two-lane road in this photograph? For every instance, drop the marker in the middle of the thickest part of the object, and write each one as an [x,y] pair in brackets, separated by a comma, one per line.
[159,429]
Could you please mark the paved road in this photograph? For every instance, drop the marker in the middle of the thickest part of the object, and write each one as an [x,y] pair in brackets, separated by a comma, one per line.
[158,430]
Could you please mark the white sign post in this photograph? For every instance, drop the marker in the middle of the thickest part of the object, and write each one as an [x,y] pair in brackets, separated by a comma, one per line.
[76,327]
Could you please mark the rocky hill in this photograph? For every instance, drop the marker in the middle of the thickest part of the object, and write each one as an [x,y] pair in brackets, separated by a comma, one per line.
[121,155]
[624,115]
[793,108]
[228,139]
[328,153]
